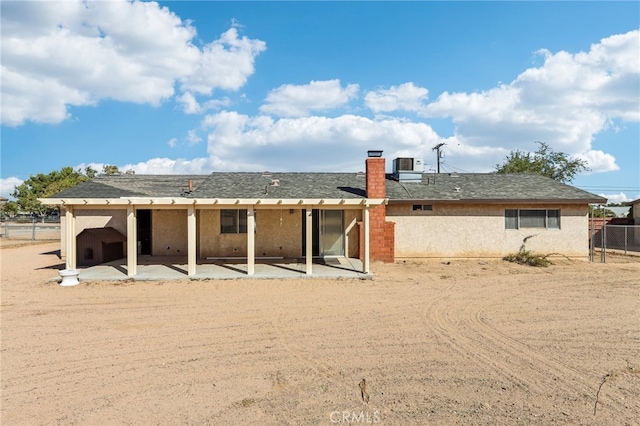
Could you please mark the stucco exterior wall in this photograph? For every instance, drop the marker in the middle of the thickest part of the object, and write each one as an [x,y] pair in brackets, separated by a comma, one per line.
[352,235]
[455,230]
[635,209]
[278,233]
[93,218]
[169,232]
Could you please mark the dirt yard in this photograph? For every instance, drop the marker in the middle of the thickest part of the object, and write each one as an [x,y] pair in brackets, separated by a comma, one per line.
[470,342]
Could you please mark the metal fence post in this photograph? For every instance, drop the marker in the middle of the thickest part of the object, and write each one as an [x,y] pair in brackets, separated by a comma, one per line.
[604,240]
[33,229]
[625,239]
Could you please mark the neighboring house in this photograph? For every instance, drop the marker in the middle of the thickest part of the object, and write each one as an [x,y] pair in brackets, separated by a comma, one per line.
[620,212]
[635,211]
[372,215]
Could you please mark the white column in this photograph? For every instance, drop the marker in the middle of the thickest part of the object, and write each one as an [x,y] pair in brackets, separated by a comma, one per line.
[251,241]
[191,240]
[70,237]
[132,242]
[308,250]
[365,229]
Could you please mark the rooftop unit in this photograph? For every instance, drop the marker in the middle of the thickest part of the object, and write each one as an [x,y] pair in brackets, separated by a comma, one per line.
[408,169]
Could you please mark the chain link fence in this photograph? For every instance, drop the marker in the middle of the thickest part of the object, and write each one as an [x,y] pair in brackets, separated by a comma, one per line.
[619,239]
[34,229]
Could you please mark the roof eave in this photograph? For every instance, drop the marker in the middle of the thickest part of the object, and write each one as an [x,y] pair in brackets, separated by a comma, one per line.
[501,201]
[214,202]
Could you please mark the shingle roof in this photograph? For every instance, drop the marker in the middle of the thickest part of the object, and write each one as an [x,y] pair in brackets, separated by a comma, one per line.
[116,186]
[471,187]
[486,187]
[289,185]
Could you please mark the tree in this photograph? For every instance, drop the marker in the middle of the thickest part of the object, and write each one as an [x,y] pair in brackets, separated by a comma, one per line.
[545,161]
[10,209]
[46,185]
[110,169]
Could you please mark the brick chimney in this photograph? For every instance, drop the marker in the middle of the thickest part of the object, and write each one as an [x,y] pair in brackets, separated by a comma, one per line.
[381,232]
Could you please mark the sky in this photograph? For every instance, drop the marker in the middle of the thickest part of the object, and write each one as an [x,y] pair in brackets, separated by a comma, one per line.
[194,87]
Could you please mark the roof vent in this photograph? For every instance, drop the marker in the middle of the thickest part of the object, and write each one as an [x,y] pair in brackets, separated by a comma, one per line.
[374,153]
[361,174]
[275,182]
[456,189]
[266,174]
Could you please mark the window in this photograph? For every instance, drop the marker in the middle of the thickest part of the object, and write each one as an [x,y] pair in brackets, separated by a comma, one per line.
[423,207]
[531,218]
[233,221]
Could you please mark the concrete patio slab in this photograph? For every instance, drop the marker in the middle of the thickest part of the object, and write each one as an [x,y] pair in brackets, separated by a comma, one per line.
[175,268]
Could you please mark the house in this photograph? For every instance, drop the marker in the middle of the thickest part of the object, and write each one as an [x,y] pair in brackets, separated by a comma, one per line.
[635,211]
[372,216]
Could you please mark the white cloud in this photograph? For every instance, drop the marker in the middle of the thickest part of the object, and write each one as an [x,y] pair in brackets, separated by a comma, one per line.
[168,166]
[172,142]
[406,97]
[131,52]
[300,100]
[189,103]
[225,63]
[566,102]
[311,143]
[618,198]
[193,138]
[598,161]
[8,185]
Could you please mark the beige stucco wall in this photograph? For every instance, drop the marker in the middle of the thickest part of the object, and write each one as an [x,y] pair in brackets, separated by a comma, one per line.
[169,232]
[453,230]
[93,218]
[352,236]
[635,208]
[278,233]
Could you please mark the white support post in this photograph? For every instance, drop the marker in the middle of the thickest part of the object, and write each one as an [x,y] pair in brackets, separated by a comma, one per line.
[365,226]
[132,242]
[70,228]
[308,250]
[251,241]
[191,241]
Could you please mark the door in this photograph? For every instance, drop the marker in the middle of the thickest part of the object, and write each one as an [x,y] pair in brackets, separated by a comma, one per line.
[331,233]
[327,233]
[144,231]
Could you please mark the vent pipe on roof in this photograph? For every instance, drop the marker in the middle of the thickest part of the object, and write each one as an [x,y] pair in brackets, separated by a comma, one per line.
[190,186]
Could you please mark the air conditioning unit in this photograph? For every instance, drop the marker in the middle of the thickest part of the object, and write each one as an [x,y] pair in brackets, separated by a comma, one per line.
[408,165]
[408,169]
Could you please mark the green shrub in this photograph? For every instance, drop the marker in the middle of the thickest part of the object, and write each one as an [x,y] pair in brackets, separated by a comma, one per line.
[527,257]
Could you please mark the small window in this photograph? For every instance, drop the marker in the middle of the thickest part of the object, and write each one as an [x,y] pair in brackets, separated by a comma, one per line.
[531,218]
[233,221]
[423,207]
[511,219]
[553,219]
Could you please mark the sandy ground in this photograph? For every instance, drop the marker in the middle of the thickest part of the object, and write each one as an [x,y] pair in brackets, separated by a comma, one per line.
[470,342]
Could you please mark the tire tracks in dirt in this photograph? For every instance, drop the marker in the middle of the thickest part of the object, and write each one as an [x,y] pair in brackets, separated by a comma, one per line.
[462,327]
